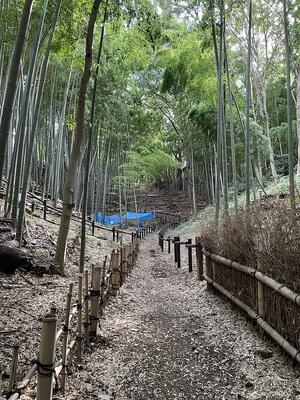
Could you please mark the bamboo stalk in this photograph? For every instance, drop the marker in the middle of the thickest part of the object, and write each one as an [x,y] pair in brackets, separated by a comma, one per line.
[65,339]
[95,295]
[79,320]
[46,358]
[13,369]
[86,310]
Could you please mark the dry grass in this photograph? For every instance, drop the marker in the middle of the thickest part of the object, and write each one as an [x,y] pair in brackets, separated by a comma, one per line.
[267,238]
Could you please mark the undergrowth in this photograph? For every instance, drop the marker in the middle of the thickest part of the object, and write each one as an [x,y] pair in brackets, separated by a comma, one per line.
[264,237]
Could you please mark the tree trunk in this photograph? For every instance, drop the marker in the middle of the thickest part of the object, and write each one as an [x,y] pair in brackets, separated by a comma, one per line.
[79,134]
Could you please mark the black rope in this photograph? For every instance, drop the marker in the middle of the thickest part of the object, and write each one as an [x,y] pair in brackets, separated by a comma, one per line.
[92,318]
[95,293]
[48,368]
[66,328]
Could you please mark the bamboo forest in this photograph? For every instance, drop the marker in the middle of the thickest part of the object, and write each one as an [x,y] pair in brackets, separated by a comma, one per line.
[102,98]
[149,199]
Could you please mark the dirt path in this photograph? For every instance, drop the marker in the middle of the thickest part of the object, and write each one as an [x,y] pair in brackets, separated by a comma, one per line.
[166,337]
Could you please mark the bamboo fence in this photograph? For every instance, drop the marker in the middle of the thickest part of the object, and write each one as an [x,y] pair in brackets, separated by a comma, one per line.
[272,305]
[106,281]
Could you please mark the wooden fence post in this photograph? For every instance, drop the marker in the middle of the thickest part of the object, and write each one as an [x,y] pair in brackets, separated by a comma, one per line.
[190,255]
[115,279]
[199,259]
[46,358]
[177,251]
[176,239]
[45,209]
[95,295]
[260,298]
[114,234]
[93,227]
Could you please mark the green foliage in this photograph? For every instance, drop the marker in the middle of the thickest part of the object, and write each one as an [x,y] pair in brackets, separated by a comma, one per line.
[205,118]
[145,165]
[258,142]
[279,136]
[188,67]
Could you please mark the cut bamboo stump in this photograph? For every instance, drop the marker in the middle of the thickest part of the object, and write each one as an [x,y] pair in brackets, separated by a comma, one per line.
[46,358]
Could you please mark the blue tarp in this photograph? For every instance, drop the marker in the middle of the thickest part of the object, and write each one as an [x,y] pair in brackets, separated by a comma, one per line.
[100,219]
[139,216]
[115,219]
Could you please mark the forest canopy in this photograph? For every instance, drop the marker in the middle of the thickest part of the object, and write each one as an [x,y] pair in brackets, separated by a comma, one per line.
[111,96]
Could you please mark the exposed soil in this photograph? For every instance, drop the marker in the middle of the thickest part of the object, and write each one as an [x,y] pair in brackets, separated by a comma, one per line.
[165,336]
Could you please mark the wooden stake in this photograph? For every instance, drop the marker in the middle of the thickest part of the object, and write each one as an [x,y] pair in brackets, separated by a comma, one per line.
[86,309]
[190,255]
[46,358]
[65,339]
[13,369]
[79,320]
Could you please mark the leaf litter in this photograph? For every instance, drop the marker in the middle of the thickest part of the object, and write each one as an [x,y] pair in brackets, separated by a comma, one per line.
[165,336]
